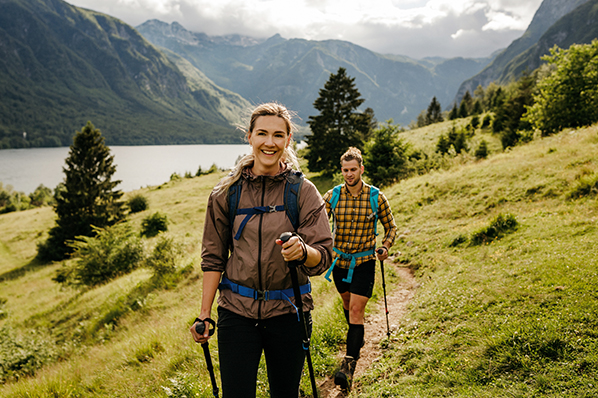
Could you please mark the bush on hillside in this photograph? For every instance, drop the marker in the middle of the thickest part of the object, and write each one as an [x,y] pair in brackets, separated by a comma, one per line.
[154,224]
[499,226]
[455,138]
[137,203]
[22,354]
[481,151]
[164,257]
[112,252]
[585,186]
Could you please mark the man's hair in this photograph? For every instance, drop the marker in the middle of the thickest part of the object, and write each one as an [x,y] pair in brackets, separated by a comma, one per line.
[352,154]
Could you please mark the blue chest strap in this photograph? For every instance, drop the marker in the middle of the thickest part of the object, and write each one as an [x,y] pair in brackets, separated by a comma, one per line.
[263,295]
[345,256]
[251,211]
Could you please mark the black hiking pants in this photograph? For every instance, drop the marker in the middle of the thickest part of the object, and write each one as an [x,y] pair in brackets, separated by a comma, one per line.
[240,344]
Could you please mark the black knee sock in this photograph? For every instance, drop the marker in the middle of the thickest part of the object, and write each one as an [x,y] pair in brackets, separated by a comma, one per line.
[347,316]
[354,340]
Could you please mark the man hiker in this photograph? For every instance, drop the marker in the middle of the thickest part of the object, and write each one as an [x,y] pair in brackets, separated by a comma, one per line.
[356,207]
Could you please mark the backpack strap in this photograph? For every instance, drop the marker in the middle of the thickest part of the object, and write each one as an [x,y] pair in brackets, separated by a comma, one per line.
[292,189]
[374,193]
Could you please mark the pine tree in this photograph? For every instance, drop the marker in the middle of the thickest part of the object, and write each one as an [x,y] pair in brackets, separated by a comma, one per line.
[454,113]
[385,158]
[88,197]
[338,126]
[434,113]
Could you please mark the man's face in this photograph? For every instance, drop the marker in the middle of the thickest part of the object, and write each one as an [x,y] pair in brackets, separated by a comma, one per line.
[352,172]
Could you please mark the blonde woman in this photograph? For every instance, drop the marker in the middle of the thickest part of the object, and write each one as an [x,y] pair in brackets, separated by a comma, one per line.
[243,258]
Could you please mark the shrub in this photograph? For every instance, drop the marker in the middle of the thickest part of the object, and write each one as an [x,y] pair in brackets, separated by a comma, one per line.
[586,186]
[499,226]
[154,224]
[22,354]
[481,151]
[138,203]
[163,259]
[113,252]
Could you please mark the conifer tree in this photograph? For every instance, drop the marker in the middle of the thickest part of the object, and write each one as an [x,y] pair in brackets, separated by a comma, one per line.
[385,158]
[338,126]
[434,113]
[88,197]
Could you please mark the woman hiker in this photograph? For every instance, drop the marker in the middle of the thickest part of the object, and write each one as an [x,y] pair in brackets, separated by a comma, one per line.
[243,258]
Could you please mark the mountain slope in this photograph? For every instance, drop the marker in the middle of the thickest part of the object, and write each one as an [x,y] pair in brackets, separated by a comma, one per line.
[61,66]
[292,71]
[549,12]
[578,27]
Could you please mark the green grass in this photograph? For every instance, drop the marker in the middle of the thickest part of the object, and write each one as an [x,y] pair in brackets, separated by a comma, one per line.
[513,316]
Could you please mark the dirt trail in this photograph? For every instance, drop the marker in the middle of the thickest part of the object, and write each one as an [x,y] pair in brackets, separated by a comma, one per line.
[375,328]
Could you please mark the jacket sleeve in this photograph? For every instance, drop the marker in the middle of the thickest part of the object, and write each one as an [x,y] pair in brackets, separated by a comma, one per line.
[314,227]
[216,234]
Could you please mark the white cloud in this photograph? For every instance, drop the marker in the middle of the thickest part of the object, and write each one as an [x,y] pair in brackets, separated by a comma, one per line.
[410,27]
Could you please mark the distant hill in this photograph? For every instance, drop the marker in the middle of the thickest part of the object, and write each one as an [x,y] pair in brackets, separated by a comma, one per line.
[501,70]
[61,66]
[293,71]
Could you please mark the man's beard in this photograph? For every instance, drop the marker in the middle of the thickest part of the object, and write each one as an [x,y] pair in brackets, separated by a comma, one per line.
[354,184]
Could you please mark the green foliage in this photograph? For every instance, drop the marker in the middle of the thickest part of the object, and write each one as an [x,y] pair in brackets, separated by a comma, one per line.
[508,120]
[481,151]
[114,251]
[434,112]
[385,158]
[338,122]
[89,197]
[585,186]
[568,95]
[164,257]
[153,224]
[499,226]
[22,354]
[212,169]
[11,200]
[456,138]
[137,203]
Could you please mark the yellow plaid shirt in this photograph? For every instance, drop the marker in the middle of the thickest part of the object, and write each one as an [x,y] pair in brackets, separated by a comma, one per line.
[355,223]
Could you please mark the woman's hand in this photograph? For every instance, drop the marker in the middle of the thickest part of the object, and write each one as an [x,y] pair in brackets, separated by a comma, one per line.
[293,249]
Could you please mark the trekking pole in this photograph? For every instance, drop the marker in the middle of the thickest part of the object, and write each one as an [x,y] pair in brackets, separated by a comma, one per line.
[200,327]
[285,236]
[380,251]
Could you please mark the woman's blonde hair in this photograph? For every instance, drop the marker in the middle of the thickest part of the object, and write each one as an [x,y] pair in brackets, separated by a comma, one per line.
[289,156]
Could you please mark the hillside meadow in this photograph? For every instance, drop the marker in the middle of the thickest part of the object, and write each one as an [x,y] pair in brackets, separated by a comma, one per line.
[504,250]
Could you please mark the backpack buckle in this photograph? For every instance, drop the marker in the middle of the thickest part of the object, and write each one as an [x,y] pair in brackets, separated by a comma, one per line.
[261,295]
[272,209]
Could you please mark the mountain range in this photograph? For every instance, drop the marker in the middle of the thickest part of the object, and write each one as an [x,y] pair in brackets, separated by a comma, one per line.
[292,71]
[160,83]
[557,22]
[61,66]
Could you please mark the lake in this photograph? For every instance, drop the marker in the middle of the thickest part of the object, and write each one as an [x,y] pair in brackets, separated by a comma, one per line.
[136,166]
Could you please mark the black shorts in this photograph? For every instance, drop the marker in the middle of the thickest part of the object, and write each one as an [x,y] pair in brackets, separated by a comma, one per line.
[363,279]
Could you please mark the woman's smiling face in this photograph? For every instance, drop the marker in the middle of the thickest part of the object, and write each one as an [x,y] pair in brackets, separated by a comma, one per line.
[268,139]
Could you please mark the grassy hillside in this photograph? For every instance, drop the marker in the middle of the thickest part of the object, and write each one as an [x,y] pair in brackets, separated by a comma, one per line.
[513,316]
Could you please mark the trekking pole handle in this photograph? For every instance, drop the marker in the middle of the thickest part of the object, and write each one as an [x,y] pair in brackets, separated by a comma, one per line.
[381,251]
[285,236]
[201,326]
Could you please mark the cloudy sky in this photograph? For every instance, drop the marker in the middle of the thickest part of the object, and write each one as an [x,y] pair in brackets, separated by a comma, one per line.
[416,28]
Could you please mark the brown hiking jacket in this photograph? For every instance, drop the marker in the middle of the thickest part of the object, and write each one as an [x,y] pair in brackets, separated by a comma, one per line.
[255,261]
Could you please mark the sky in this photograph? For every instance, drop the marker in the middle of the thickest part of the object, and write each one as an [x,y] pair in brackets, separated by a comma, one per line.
[415,28]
